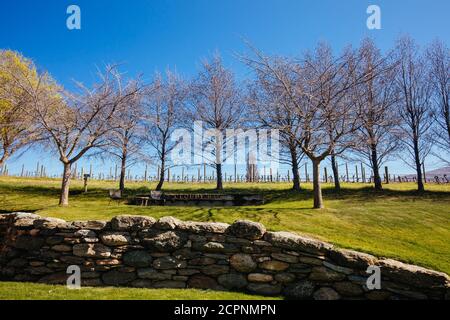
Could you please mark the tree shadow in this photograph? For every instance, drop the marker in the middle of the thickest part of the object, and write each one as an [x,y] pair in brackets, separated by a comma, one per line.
[368,193]
[277,196]
[271,196]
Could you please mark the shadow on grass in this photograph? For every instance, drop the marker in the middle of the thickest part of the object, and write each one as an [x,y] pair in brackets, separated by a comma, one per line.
[369,194]
[364,194]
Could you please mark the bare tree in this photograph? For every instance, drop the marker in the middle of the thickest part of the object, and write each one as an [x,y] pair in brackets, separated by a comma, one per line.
[81,122]
[376,101]
[415,105]
[216,101]
[125,140]
[271,108]
[320,98]
[164,101]
[20,83]
[327,108]
[438,55]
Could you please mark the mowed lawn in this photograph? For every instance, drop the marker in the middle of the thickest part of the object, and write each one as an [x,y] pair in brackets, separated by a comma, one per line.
[397,223]
[38,291]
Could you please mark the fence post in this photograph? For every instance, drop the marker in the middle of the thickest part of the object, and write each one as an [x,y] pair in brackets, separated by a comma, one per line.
[74,173]
[85,180]
[346,171]
[424,173]
[363,175]
[386,173]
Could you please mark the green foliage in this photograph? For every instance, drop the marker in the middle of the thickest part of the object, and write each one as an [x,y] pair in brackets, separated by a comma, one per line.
[22,90]
[15,69]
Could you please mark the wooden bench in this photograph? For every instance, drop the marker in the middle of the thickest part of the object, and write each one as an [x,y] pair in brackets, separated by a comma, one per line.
[142,201]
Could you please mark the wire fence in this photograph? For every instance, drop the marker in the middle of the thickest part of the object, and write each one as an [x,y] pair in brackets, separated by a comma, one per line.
[358,175]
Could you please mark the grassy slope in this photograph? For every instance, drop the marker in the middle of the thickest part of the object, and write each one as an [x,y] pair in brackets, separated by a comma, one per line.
[397,223]
[34,291]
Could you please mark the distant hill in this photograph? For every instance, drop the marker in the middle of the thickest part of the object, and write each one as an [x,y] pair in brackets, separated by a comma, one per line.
[433,173]
[439,172]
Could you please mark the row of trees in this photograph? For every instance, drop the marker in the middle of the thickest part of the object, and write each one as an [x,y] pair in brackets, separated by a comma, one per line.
[360,104]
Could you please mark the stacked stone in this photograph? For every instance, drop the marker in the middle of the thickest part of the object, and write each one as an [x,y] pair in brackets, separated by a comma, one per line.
[139,251]
[5,222]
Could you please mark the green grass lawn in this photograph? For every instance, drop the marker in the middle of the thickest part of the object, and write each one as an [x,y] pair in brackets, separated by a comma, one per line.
[397,223]
[34,291]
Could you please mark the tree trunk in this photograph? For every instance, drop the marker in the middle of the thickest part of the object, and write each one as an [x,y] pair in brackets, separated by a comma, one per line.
[123,168]
[4,157]
[447,119]
[318,201]
[219,176]
[375,168]
[161,175]
[64,196]
[123,165]
[295,173]
[420,186]
[337,183]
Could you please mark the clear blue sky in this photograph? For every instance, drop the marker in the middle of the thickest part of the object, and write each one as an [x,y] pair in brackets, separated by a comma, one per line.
[156,34]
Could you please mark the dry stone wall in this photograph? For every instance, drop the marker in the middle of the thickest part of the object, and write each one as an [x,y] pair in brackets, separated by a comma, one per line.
[139,251]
